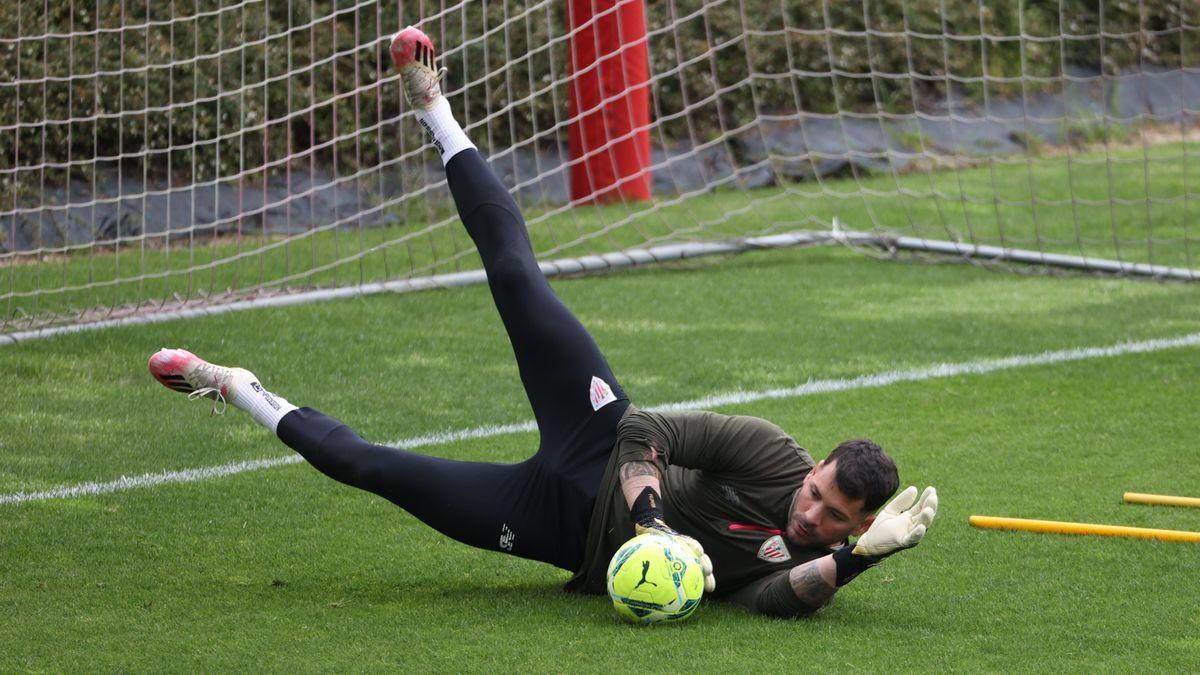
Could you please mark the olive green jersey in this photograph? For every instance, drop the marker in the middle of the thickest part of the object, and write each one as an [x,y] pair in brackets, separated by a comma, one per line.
[729,482]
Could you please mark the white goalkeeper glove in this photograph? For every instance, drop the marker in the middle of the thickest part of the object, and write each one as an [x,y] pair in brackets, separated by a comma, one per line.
[657,525]
[900,525]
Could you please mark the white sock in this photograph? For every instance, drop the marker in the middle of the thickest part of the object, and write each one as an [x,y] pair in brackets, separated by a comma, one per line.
[448,136]
[266,408]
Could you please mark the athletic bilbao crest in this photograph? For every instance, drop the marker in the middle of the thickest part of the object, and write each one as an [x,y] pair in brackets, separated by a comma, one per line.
[774,550]
[601,393]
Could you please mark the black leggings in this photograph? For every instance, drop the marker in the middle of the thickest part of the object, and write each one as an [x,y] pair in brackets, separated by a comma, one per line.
[539,508]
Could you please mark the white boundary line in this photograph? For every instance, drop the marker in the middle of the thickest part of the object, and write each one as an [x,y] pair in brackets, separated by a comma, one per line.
[979,367]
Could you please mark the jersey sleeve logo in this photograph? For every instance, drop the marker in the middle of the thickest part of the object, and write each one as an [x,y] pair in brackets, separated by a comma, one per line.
[601,393]
[774,550]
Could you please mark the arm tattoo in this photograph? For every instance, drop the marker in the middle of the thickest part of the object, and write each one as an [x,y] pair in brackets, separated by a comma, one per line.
[631,469]
[810,587]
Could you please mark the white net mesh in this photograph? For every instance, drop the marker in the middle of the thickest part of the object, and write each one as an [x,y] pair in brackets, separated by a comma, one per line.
[156,155]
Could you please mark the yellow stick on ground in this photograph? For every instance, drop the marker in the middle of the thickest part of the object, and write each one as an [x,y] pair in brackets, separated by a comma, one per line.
[992,522]
[1161,500]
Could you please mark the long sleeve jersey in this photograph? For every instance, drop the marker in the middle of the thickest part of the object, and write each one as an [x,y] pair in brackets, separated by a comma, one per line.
[729,482]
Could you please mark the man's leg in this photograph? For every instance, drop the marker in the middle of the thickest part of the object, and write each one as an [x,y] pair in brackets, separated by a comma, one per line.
[482,504]
[476,503]
[566,377]
[568,381]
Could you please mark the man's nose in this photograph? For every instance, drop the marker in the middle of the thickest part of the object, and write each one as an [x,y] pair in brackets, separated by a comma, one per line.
[813,516]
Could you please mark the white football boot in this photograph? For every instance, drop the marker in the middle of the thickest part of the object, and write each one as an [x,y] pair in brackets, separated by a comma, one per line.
[413,55]
[187,373]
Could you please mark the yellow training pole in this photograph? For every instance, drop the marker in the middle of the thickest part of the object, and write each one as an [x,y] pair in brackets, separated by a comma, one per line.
[1058,527]
[1161,500]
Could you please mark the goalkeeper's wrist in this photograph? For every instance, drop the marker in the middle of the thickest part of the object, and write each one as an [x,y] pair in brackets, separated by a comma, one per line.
[647,508]
[850,564]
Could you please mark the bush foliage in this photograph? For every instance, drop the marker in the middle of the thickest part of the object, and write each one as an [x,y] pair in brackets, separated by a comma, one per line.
[208,88]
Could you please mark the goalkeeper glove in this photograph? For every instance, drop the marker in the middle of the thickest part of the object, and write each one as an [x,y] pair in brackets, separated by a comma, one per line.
[647,515]
[900,525]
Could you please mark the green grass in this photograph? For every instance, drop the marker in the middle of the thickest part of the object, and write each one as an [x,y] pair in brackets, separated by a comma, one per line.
[283,569]
[1133,204]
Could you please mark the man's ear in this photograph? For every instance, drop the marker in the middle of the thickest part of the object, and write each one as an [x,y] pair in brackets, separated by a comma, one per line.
[811,472]
[864,525]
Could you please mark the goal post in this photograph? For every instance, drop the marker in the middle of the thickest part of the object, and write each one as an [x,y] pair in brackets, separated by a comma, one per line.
[609,111]
[174,157]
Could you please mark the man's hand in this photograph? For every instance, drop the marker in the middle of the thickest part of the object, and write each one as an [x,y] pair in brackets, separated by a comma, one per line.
[640,481]
[657,525]
[900,525]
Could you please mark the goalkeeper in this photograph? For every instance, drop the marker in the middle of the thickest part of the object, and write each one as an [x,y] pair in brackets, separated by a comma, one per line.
[770,524]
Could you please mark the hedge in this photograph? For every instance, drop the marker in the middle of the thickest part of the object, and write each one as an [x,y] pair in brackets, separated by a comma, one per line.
[129,90]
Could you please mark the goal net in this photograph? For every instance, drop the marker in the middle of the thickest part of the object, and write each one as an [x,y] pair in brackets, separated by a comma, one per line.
[189,154]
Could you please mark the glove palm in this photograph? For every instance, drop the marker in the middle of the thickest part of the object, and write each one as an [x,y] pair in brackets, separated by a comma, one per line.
[900,525]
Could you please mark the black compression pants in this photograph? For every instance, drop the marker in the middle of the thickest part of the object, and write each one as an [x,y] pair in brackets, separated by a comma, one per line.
[539,508]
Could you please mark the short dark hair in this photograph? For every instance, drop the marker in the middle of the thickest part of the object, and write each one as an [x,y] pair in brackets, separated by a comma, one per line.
[864,471]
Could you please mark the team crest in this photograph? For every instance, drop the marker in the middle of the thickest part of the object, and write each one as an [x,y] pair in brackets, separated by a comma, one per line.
[774,550]
[601,393]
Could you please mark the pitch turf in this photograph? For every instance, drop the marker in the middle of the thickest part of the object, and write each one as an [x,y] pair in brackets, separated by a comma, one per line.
[283,569]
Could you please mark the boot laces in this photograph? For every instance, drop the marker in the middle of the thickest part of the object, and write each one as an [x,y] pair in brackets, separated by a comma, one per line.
[217,397]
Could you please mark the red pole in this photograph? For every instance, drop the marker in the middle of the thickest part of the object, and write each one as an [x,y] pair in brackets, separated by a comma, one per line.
[609,100]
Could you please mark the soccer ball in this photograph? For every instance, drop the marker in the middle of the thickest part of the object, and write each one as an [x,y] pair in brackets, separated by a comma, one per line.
[654,578]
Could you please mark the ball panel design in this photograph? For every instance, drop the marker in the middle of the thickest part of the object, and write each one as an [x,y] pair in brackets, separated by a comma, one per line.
[654,578]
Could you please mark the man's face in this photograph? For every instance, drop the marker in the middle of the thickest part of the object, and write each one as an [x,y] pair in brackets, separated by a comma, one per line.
[821,514]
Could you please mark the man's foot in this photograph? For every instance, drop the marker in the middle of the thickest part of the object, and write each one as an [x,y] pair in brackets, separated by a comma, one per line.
[187,373]
[413,55]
